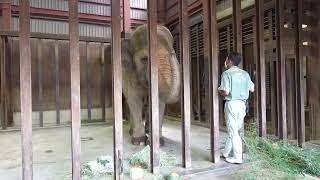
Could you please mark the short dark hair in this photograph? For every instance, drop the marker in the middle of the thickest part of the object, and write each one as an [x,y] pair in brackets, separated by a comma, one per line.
[235,58]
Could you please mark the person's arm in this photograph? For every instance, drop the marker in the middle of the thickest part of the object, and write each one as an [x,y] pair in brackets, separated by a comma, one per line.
[224,89]
[251,85]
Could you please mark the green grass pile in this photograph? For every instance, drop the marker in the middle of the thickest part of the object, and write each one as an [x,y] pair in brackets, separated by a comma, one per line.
[273,159]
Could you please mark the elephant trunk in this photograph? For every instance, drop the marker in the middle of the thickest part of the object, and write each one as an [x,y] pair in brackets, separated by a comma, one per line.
[174,89]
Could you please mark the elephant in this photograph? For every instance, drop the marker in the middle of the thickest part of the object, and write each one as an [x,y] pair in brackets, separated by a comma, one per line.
[135,75]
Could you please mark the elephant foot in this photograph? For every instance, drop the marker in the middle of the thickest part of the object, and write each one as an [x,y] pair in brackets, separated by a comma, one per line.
[161,142]
[139,140]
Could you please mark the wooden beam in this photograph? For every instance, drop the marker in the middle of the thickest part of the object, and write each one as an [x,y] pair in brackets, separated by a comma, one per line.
[186,87]
[153,88]
[237,26]
[117,90]
[281,73]
[210,30]
[55,36]
[300,111]
[25,91]
[261,69]
[40,83]
[57,81]
[75,88]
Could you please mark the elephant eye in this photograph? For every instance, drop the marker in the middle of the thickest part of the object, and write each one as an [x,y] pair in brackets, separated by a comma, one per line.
[144,60]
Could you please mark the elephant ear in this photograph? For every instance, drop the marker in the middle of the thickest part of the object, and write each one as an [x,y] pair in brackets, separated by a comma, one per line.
[139,38]
[126,55]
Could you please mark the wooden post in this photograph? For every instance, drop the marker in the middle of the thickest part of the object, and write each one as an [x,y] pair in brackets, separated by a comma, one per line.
[261,70]
[153,89]
[185,93]
[75,88]
[237,28]
[56,62]
[25,90]
[300,111]
[6,15]
[210,30]
[117,90]
[126,16]
[198,75]
[103,83]
[281,73]
[88,80]
[40,83]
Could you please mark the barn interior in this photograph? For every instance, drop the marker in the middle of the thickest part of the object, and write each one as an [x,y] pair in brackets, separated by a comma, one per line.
[42,124]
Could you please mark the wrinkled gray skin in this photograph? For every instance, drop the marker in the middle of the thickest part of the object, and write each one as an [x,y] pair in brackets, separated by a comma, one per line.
[135,77]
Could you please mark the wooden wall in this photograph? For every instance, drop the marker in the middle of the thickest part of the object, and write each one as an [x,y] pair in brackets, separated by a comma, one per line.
[51,75]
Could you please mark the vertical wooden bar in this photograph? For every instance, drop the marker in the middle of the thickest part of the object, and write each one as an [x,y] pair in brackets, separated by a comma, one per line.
[237,28]
[198,75]
[281,73]
[211,50]
[56,62]
[25,90]
[300,111]
[40,83]
[88,80]
[261,70]
[3,83]
[75,88]
[103,83]
[6,15]
[117,90]
[186,87]
[153,89]
[126,16]
[273,88]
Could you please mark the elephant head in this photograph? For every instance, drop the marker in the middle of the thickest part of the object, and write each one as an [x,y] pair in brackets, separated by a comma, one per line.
[168,65]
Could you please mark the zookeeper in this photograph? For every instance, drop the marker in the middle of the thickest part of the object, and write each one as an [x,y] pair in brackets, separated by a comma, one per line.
[235,87]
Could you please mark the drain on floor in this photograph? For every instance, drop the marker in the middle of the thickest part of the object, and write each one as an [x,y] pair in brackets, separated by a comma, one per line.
[49,151]
[86,139]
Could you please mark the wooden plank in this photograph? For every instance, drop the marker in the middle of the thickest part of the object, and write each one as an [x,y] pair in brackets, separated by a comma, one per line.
[281,73]
[300,111]
[57,81]
[237,27]
[88,80]
[186,85]
[25,90]
[273,88]
[75,88]
[55,36]
[261,69]
[117,90]
[40,82]
[153,89]
[211,49]
[103,82]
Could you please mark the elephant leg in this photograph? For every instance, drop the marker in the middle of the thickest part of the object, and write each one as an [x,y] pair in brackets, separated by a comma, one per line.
[162,107]
[138,133]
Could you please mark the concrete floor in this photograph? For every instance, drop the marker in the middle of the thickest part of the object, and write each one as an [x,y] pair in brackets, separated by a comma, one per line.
[52,155]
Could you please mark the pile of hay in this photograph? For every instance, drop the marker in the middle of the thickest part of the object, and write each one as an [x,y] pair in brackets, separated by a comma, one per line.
[102,166]
[142,159]
[273,159]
